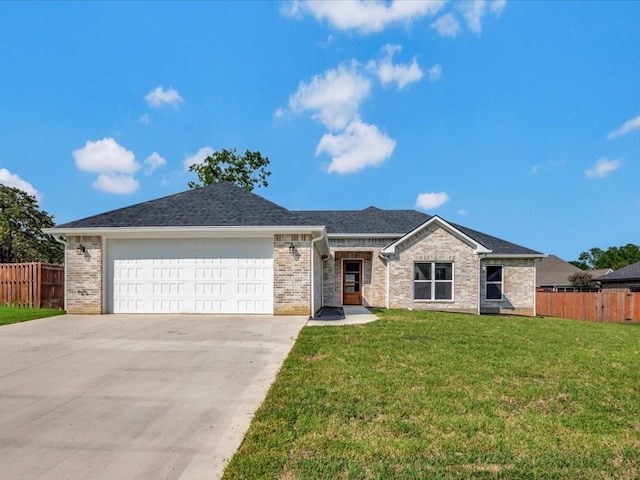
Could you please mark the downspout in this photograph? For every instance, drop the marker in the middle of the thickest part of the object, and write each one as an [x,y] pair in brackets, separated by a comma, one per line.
[535,288]
[59,238]
[480,258]
[386,279]
[313,282]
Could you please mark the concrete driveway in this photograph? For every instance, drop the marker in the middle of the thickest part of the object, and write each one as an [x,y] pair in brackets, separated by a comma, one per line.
[133,396]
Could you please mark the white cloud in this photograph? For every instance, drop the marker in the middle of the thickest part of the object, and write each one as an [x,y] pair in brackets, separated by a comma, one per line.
[473,12]
[364,16]
[116,183]
[428,201]
[153,162]
[197,157]
[497,6]
[144,119]
[358,147]
[105,156]
[334,97]
[159,97]
[446,25]
[626,127]
[435,73]
[402,74]
[463,212]
[12,180]
[602,168]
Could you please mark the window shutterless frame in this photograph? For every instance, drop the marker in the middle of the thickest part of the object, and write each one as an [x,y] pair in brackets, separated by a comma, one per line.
[494,282]
[433,281]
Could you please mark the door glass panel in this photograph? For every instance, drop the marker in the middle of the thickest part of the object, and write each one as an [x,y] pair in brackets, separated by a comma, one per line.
[351,277]
[352,267]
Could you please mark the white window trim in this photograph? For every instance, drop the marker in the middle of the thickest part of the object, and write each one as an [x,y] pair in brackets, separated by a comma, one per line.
[433,282]
[487,283]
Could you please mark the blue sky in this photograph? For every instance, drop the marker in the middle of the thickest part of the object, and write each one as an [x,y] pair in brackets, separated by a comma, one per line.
[519,119]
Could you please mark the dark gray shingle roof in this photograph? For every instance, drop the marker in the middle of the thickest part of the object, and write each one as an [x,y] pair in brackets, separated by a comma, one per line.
[221,204]
[225,204]
[495,244]
[628,273]
[371,220]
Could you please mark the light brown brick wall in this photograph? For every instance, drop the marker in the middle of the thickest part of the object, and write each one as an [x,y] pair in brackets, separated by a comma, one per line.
[373,270]
[434,244]
[84,275]
[291,272]
[518,283]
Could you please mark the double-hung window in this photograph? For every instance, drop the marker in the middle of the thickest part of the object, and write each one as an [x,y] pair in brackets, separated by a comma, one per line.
[433,281]
[494,282]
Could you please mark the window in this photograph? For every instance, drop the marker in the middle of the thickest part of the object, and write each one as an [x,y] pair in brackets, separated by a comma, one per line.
[494,282]
[433,281]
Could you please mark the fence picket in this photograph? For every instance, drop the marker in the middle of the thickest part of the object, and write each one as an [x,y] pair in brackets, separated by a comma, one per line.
[35,285]
[616,306]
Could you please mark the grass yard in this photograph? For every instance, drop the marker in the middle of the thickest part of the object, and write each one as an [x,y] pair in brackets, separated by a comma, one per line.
[435,395]
[21,314]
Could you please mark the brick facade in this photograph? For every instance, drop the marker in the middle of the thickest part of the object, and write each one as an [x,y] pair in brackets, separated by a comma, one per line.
[84,275]
[374,287]
[518,287]
[291,278]
[434,244]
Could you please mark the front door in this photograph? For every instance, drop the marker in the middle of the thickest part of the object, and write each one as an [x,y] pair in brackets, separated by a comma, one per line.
[352,282]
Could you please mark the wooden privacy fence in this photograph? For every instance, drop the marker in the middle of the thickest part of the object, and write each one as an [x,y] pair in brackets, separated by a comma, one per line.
[615,306]
[35,285]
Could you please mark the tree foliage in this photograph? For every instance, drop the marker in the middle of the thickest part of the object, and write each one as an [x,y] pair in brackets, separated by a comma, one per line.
[582,281]
[246,171]
[612,257]
[21,224]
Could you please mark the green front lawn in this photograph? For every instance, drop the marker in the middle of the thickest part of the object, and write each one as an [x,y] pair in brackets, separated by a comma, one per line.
[20,314]
[434,395]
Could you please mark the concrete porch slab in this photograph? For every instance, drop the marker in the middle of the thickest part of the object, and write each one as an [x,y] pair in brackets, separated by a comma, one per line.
[354,315]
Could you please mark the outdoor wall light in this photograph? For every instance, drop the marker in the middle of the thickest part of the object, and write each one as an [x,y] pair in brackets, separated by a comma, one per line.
[292,248]
[81,249]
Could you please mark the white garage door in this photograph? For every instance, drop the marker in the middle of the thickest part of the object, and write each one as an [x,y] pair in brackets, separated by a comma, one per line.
[191,276]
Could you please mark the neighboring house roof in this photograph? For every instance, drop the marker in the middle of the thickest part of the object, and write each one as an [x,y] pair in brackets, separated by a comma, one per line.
[598,272]
[624,274]
[227,205]
[553,270]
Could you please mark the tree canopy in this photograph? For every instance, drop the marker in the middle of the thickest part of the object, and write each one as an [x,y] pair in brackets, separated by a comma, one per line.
[582,281]
[246,171]
[21,224]
[612,257]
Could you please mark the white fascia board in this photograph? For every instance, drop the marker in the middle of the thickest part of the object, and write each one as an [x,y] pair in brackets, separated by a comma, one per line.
[365,235]
[478,247]
[515,255]
[190,232]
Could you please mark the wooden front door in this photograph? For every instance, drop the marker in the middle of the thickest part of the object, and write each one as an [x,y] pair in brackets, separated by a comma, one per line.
[352,282]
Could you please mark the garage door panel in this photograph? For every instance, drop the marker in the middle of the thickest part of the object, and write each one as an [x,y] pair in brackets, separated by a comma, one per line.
[194,275]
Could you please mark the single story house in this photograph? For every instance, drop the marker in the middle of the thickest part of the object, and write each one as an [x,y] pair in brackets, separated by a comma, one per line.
[552,274]
[221,249]
[624,278]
